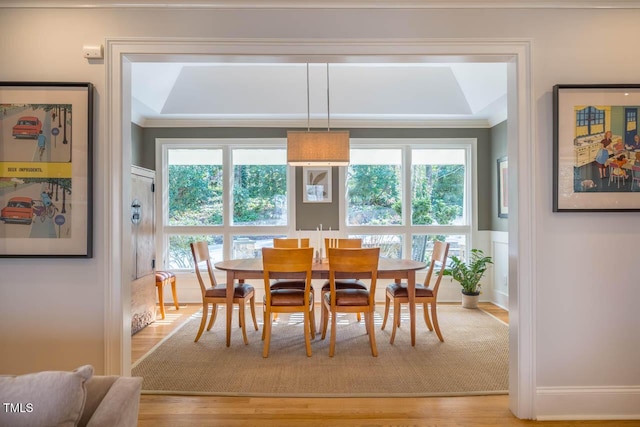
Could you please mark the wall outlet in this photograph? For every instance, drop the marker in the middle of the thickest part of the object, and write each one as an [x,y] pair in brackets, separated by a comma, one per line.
[92,52]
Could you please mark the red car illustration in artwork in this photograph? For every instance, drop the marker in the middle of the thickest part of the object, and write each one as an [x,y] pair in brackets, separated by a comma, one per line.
[18,209]
[27,127]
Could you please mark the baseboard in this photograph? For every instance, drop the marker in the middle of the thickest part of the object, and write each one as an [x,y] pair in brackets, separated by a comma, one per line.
[588,403]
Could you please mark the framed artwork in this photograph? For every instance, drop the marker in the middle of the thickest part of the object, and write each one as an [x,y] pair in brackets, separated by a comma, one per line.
[596,148]
[316,184]
[46,165]
[503,193]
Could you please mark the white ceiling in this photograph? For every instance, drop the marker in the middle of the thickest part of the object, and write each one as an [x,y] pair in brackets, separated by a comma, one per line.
[361,95]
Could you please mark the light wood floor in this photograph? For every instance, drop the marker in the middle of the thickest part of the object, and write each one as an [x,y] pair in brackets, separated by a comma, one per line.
[209,411]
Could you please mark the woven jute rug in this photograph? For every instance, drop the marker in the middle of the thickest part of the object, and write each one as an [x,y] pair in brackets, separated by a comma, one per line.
[473,360]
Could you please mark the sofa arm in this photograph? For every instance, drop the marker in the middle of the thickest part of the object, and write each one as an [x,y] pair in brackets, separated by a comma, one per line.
[119,408]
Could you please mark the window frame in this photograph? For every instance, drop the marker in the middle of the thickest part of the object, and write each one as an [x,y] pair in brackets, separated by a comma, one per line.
[406,230]
[228,230]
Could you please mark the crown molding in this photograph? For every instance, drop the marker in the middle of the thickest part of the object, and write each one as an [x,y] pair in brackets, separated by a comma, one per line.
[326,4]
[335,124]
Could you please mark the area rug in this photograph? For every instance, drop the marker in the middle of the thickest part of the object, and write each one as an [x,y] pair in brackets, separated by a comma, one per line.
[473,360]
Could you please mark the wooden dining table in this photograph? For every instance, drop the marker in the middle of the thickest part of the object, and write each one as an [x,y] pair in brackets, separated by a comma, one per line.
[388,268]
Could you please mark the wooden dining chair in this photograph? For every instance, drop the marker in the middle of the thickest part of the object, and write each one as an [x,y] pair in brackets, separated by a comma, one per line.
[425,294]
[344,283]
[282,243]
[362,263]
[278,262]
[214,293]
[289,243]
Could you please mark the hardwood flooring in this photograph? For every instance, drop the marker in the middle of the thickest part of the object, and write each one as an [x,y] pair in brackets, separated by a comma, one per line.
[210,411]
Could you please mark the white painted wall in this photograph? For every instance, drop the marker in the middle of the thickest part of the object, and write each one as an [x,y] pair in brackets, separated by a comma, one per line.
[586,319]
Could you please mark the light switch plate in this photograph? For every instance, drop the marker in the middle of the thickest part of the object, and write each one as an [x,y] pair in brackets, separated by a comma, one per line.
[92,52]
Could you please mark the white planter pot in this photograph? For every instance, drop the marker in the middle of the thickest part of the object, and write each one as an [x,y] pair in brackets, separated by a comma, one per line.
[470,301]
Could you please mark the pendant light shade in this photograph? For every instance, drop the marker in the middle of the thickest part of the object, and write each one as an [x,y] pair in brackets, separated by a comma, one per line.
[318,148]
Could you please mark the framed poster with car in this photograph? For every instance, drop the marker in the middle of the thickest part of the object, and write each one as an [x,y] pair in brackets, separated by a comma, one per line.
[46,158]
[596,148]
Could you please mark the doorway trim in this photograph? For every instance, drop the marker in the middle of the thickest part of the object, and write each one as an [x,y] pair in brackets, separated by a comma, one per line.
[516,53]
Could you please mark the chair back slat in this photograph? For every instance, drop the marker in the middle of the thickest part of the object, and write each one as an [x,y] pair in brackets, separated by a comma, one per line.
[341,243]
[200,252]
[280,243]
[438,259]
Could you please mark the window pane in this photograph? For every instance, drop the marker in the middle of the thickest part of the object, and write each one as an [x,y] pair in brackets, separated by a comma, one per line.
[251,246]
[180,256]
[259,187]
[437,187]
[374,192]
[195,187]
[390,245]
[422,246]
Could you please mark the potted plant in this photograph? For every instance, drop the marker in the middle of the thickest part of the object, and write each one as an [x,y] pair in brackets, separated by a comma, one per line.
[469,275]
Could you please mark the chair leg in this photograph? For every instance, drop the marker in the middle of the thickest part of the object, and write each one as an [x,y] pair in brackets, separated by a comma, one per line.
[312,318]
[264,321]
[396,323]
[358,317]
[307,333]
[174,293]
[387,302]
[427,319]
[325,320]
[252,305]
[243,323]
[214,313]
[434,315]
[161,298]
[322,311]
[205,310]
[266,329]
[372,335]
[332,341]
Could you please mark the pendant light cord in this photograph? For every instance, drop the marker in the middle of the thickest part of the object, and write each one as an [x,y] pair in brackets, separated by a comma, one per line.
[328,104]
[308,108]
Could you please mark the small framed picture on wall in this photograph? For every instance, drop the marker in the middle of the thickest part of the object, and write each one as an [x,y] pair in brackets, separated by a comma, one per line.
[316,184]
[503,193]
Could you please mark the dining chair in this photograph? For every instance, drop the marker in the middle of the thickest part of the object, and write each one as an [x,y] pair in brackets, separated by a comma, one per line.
[281,243]
[215,293]
[424,294]
[283,261]
[362,263]
[289,243]
[344,283]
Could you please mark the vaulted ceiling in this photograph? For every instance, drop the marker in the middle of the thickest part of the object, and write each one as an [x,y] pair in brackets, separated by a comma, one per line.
[355,95]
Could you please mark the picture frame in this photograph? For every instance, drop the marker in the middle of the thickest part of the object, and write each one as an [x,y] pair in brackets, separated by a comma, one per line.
[596,148]
[316,185]
[46,170]
[503,199]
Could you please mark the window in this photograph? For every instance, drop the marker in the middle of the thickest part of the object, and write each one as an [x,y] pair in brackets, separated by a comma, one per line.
[405,198]
[259,187]
[231,193]
[374,187]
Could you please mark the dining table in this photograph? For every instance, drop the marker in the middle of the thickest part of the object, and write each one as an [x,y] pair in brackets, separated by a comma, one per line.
[388,268]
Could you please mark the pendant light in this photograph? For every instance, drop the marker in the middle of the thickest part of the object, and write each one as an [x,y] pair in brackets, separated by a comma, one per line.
[318,148]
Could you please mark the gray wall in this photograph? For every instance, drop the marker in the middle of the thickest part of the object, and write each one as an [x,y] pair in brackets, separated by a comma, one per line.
[498,136]
[138,157]
[309,216]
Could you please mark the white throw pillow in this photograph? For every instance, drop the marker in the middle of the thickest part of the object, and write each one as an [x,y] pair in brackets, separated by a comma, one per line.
[44,399]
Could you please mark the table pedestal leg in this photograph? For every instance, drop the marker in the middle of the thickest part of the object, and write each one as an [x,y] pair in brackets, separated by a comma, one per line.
[411,290]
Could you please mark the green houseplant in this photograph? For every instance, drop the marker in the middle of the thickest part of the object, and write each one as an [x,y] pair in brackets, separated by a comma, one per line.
[469,275]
